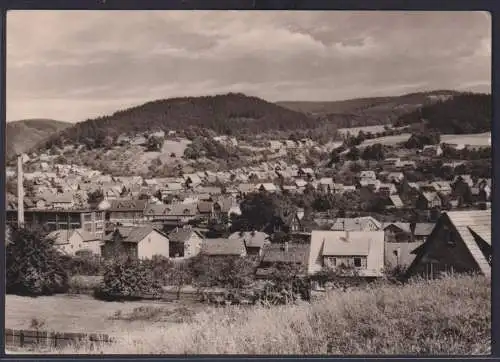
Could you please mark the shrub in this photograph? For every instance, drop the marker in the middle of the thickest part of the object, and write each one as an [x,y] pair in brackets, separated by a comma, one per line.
[127,279]
[33,265]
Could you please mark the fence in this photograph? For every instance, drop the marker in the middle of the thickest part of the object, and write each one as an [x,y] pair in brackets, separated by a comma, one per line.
[26,338]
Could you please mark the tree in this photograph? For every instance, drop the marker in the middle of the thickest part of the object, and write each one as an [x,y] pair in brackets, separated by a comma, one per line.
[374,152]
[353,154]
[154,144]
[33,264]
[95,197]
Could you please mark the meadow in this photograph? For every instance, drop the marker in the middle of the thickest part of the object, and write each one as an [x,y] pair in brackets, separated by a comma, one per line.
[475,139]
[450,316]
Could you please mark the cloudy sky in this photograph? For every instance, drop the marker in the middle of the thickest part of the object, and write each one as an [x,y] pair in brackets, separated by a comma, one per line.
[74,65]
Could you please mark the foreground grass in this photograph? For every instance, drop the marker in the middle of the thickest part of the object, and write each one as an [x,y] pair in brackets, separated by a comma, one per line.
[451,316]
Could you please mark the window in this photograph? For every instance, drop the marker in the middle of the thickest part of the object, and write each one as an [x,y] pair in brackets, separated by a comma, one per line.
[357,262]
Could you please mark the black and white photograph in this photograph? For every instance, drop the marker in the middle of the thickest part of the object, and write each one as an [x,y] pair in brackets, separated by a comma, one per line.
[187,182]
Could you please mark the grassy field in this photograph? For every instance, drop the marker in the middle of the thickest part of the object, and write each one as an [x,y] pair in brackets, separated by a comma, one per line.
[387,140]
[476,139]
[80,313]
[442,317]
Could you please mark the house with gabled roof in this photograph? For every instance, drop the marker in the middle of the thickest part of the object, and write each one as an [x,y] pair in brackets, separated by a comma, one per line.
[394,202]
[254,241]
[71,241]
[126,211]
[428,200]
[362,251]
[185,242]
[192,180]
[460,242]
[395,232]
[138,242]
[268,187]
[400,254]
[282,254]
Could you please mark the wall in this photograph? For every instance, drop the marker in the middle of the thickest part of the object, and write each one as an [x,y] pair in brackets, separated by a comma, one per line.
[192,246]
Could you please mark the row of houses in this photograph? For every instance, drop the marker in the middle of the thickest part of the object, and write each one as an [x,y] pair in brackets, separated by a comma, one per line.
[460,241]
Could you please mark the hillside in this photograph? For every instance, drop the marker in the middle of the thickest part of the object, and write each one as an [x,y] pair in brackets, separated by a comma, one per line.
[368,111]
[232,113]
[464,113]
[23,135]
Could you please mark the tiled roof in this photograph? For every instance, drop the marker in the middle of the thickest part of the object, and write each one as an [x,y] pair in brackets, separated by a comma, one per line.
[400,253]
[251,239]
[128,205]
[297,253]
[223,247]
[423,228]
[181,235]
[131,234]
[404,226]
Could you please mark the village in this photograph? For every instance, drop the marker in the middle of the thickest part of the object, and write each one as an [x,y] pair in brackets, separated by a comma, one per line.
[384,227]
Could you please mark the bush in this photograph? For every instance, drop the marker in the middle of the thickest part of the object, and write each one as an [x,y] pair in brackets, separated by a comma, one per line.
[127,279]
[33,265]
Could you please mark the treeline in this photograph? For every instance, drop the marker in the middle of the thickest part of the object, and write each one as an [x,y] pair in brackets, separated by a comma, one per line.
[464,113]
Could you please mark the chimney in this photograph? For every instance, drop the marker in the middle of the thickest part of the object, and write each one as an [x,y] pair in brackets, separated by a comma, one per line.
[20,191]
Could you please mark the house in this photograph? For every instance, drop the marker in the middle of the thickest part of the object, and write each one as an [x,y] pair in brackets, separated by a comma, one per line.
[394,201]
[223,247]
[268,187]
[442,187]
[62,201]
[192,180]
[275,255]
[367,175]
[245,188]
[73,240]
[254,241]
[395,176]
[365,223]
[387,189]
[397,232]
[460,242]
[306,172]
[432,150]
[156,212]
[182,213]
[421,230]
[361,250]
[400,254]
[139,242]
[184,242]
[428,200]
[126,212]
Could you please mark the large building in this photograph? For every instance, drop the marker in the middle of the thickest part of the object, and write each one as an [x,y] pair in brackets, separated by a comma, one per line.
[89,220]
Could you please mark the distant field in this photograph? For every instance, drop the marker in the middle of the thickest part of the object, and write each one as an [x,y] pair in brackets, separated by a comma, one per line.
[387,140]
[355,130]
[80,313]
[477,139]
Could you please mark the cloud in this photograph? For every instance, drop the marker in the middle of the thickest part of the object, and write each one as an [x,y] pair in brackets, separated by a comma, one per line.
[75,65]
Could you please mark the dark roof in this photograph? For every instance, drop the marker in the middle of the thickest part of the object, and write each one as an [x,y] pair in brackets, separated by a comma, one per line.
[131,234]
[275,253]
[223,247]
[400,253]
[127,205]
[181,235]
[205,207]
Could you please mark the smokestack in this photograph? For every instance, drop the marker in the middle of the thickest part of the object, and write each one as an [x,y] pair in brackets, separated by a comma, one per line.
[20,191]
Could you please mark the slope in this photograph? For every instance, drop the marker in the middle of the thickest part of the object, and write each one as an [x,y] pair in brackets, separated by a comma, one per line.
[23,135]
[232,113]
[368,111]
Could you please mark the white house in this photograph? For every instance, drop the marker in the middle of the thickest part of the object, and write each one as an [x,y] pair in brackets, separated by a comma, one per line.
[71,241]
[141,242]
[361,250]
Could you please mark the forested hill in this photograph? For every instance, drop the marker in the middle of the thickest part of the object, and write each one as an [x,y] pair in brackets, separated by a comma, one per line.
[464,113]
[20,136]
[372,111]
[232,113]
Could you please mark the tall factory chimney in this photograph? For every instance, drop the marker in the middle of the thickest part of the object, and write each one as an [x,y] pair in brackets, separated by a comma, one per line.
[20,191]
